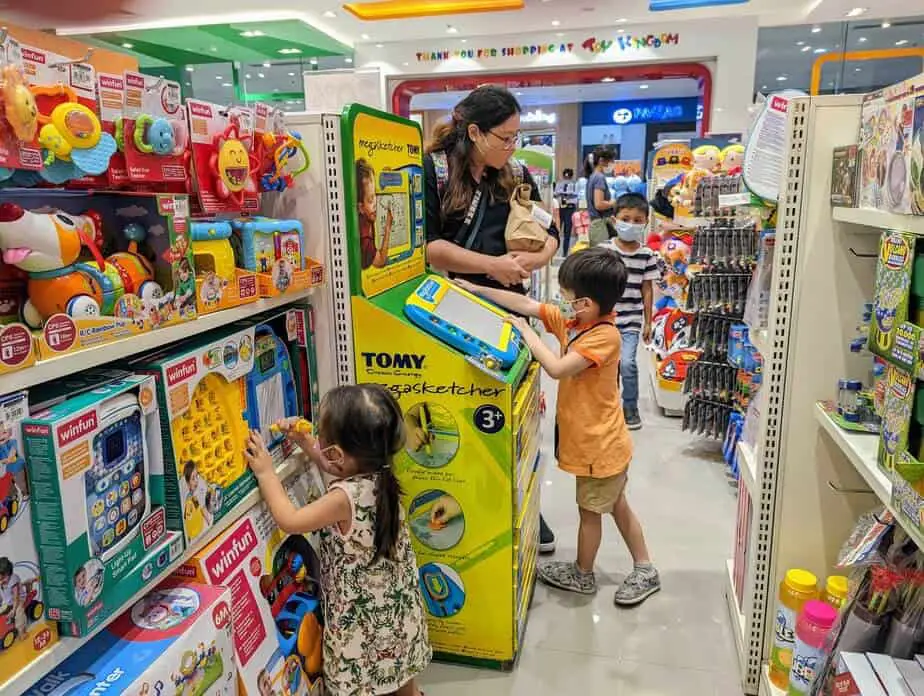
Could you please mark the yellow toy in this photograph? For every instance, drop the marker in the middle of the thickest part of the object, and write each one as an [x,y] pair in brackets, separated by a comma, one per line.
[300,426]
[19,104]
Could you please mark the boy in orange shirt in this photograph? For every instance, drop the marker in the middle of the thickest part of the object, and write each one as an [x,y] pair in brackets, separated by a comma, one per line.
[592,439]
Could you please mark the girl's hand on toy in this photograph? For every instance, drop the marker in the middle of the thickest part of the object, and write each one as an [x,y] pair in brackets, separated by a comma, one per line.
[291,428]
[444,511]
[257,456]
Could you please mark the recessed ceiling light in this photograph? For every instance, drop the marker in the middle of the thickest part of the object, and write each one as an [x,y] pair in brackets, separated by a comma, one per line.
[620,31]
[621,20]
[261,75]
[463,40]
[226,84]
[858,69]
[815,30]
[861,39]
[364,37]
[189,84]
[405,64]
[719,109]
[313,61]
[219,77]
[800,43]
[820,50]
[805,49]
[559,34]
[902,42]
[857,11]
[330,14]
[213,49]
[128,45]
[347,60]
[291,74]
[247,76]
[275,89]
[518,94]
[643,86]
[764,87]
[380,45]
[886,24]
[451,29]
[251,34]
[189,68]
[556,23]
[608,79]
[782,78]
[289,51]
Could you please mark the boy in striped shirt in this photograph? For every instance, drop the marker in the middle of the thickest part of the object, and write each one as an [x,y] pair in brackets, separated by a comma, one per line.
[634,308]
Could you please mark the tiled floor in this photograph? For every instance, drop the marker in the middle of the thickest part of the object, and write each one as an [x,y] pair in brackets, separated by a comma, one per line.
[679,642]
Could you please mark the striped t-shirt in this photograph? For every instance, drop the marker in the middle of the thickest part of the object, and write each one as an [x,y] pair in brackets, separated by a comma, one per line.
[641,265]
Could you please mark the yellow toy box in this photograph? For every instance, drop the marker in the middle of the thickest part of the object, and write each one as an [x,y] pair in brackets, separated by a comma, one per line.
[274,597]
[220,284]
[201,388]
[24,630]
[174,640]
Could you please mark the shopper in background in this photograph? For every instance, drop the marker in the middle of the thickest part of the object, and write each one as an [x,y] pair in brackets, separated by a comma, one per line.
[634,308]
[592,441]
[599,203]
[469,179]
[566,195]
[375,636]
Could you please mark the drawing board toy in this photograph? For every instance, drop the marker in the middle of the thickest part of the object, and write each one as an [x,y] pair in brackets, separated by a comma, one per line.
[399,194]
[24,630]
[97,487]
[271,392]
[175,640]
[220,284]
[202,390]
[274,595]
[466,322]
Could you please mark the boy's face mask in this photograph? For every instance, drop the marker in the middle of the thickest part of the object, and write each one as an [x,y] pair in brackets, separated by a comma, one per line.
[629,231]
[567,308]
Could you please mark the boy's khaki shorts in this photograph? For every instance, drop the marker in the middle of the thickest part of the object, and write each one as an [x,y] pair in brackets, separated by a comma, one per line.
[600,494]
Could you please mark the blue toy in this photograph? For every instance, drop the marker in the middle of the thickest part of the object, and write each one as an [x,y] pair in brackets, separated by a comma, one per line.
[271,392]
[264,242]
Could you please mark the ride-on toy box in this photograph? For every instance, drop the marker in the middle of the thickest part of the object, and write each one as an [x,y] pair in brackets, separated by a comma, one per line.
[201,389]
[97,490]
[24,630]
[175,640]
[274,597]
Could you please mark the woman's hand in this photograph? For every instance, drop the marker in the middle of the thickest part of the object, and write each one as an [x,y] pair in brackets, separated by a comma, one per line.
[257,456]
[506,270]
[534,260]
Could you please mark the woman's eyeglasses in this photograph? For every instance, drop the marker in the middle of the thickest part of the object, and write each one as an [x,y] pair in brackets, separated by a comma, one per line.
[510,142]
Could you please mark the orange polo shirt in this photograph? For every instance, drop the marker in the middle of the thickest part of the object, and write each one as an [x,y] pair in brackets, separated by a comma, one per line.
[593,439]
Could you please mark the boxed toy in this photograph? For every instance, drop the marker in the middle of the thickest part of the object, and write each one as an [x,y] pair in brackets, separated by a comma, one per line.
[844,176]
[174,640]
[220,283]
[20,154]
[202,387]
[274,596]
[96,474]
[81,298]
[917,153]
[24,630]
[111,91]
[275,251]
[156,134]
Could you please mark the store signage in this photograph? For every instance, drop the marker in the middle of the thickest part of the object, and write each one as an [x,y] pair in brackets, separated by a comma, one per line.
[538,116]
[623,43]
[641,111]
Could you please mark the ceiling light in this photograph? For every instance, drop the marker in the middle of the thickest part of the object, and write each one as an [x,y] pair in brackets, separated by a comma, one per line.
[820,50]
[608,79]
[364,37]
[621,20]
[782,78]
[247,76]
[464,40]
[886,24]
[261,75]
[213,49]
[313,61]
[815,30]
[128,45]
[330,14]
[266,65]
[347,60]
[858,69]
[806,49]
[857,11]
[719,109]
[291,74]
[620,31]
[643,86]
[518,94]
[226,84]
[219,77]
[556,23]
[559,34]
[405,64]
[764,87]
[289,51]
[451,29]
[275,89]
[380,45]
[189,84]
[251,34]
[800,43]
[862,39]
[902,42]
[189,68]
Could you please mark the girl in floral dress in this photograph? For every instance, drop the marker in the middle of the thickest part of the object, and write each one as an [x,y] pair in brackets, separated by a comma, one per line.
[375,633]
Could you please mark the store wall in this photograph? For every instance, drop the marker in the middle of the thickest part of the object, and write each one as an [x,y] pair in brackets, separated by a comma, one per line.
[730,44]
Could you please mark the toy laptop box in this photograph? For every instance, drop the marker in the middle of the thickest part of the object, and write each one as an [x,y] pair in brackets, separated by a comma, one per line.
[174,640]
[202,390]
[275,251]
[97,487]
[24,630]
[274,596]
[220,284]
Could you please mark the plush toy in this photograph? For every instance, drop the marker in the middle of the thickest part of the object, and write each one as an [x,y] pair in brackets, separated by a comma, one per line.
[707,157]
[732,159]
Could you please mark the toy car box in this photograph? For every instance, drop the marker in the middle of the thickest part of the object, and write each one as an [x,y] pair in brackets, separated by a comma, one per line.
[96,472]
[201,390]
[24,630]
[274,596]
[174,640]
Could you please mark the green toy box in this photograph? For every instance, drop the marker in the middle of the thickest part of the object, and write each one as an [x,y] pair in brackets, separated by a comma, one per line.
[201,390]
[96,476]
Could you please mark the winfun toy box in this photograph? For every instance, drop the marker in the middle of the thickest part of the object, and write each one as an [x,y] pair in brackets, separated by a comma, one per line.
[97,492]
[201,388]
[24,630]
[274,597]
[175,640]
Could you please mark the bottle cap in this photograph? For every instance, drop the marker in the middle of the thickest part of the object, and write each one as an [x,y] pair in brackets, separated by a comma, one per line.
[819,613]
[837,586]
[801,580]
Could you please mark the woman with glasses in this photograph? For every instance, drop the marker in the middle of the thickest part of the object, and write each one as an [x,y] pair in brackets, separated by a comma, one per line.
[469,178]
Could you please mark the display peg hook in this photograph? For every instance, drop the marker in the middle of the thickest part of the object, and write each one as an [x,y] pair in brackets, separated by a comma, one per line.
[862,255]
[85,58]
[839,489]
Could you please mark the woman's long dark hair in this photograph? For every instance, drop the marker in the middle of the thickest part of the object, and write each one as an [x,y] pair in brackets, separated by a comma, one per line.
[487,107]
[365,421]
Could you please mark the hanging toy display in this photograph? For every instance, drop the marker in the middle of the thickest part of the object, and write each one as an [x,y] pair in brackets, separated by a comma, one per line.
[286,151]
[73,143]
[19,104]
[159,136]
[152,130]
[231,165]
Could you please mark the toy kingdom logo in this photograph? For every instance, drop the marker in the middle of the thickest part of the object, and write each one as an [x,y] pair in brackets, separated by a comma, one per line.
[77,428]
[225,559]
[181,371]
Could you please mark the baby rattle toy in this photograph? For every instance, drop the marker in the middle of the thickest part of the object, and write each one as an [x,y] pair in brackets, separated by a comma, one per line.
[284,147]
[159,136]
[231,165]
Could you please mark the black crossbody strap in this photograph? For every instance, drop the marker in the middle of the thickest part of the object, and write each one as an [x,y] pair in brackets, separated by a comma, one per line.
[586,331]
[470,227]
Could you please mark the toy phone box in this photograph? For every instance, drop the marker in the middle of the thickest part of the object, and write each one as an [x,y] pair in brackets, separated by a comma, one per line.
[220,284]
[275,251]
[15,154]
[844,176]
[224,164]
[399,194]
[274,593]
[24,634]
[96,472]
[111,93]
[886,126]
[202,388]
[464,321]
[174,640]
[154,105]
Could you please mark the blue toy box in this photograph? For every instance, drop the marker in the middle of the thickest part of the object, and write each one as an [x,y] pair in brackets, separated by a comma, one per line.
[175,640]
[275,251]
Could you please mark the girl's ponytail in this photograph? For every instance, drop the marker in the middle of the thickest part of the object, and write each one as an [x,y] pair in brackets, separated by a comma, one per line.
[387,514]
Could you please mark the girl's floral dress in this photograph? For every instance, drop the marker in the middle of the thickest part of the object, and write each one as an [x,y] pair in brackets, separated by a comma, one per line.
[375,633]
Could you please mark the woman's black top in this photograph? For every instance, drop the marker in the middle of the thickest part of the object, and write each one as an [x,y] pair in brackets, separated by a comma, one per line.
[490,237]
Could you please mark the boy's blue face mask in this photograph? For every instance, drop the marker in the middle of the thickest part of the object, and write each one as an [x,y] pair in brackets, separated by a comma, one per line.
[567,309]
[629,231]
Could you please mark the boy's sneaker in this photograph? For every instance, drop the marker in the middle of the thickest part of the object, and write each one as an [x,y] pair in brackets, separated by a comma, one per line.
[633,419]
[565,575]
[637,587]
[546,537]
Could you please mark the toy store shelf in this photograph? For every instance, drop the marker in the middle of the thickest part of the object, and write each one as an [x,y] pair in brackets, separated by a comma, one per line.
[71,363]
[739,623]
[760,338]
[65,647]
[747,466]
[767,687]
[879,220]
